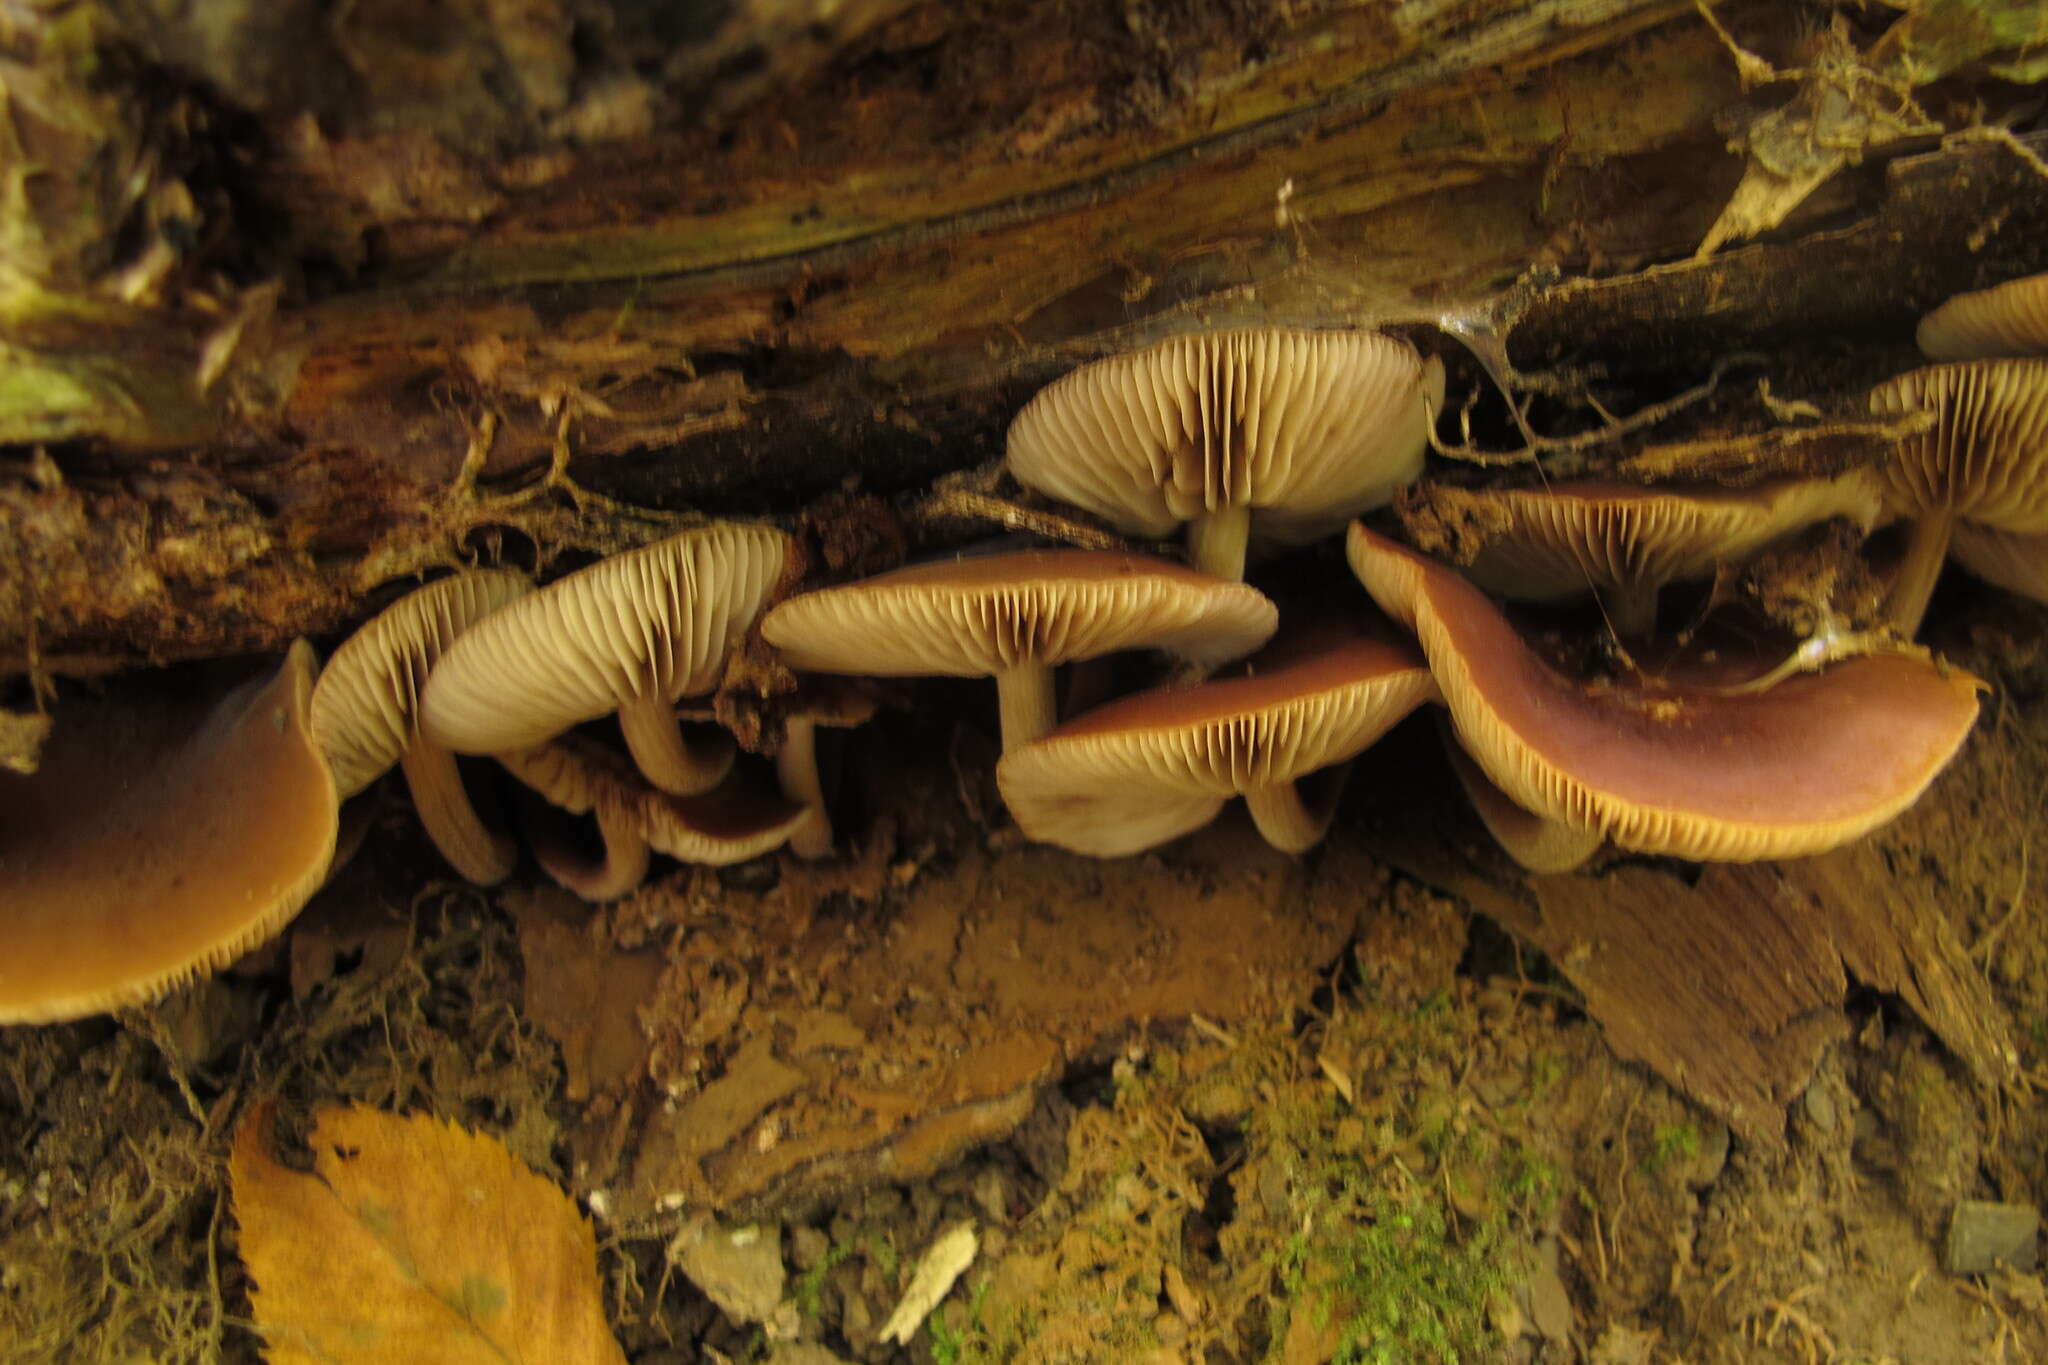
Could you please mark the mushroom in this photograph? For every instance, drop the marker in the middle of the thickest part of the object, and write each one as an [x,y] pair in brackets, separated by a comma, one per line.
[1538,844]
[829,702]
[1703,772]
[577,776]
[736,822]
[1153,766]
[1015,617]
[365,713]
[1986,324]
[1984,460]
[2006,559]
[632,634]
[159,838]
[1264,433]
[1626,541]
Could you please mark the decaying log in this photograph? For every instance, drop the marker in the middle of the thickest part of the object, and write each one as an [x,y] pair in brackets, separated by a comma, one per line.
[350,286]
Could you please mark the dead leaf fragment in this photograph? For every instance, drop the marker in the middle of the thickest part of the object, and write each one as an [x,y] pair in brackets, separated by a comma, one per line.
[943,1263]
[413,1240]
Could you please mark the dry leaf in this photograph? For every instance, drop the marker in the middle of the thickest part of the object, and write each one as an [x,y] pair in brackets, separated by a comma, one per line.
[943,1262]
[413,1241]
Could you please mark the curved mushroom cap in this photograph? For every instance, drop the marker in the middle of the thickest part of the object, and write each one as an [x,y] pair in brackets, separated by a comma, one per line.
[972,618]
[366,703]
[1308,428]
[1546,544]
[2006,559]
[158,841]
[1153,766]
[1814,762]
[657,621]
[738,821]
[2008,320]
[1986,457]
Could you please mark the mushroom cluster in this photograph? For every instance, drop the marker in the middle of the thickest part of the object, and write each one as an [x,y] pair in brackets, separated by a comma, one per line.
[1280,437]
[1246,439]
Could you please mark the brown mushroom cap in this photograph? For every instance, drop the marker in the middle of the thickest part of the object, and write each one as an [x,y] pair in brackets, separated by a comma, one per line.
[1279,435]
[2008,320]
[738,821]
[1153,766]
[632,633]
[1015,617]
[159,840]
[1816,761]
[1985,459]
[365,712]
[1548,544]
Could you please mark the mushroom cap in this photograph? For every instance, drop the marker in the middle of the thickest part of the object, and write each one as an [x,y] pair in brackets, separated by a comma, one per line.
[159,839]
[738,821]
[1306,428]
[1986,456]
[1815,761]
[366,703]
[1546,544]
[1149,767]
[972,618]
[2007,559]
[2010,319]
[658,620]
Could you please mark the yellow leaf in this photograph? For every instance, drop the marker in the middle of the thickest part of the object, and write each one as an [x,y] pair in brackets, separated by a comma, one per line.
[413,1241]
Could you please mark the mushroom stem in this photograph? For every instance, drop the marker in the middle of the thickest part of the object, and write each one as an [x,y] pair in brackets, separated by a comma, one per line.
[1631,609]
[1536,842]
[1926,550]
[665,755]
[472,848]
[1291,821]
[1025,694]
[1217,540]
[796,764]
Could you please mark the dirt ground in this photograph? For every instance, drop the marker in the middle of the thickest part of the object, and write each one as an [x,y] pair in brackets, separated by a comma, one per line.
[1209,1104]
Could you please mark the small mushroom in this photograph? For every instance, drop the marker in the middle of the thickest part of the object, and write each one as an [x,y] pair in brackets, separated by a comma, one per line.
[1625,541]
[1015,617]
[1264,433]
[1985,460]
[1153,766]
[2005,559]
[632,634]
[829,702]
[742,819]
[365,713]
[160,838]
[1703,772]
[1535,842]
[1988,324]
[577,776]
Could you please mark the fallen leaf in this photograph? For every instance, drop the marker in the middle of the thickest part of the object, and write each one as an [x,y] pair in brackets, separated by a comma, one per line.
[413,1240]
[943,1262]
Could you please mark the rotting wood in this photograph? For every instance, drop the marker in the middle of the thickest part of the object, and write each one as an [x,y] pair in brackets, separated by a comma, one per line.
[1784,938]
[737,319]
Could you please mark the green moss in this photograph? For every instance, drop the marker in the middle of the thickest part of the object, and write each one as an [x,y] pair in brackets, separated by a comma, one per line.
[1672,1142]
[1402,1241]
